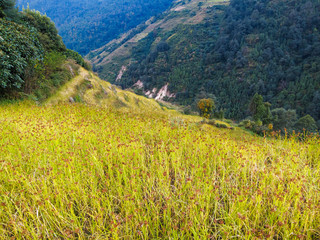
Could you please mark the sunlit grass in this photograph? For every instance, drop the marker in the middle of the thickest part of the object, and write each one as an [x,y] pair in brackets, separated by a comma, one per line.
[74,171]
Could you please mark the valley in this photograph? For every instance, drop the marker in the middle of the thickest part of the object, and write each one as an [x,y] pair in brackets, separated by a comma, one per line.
[183,128]
[86,25]
[227,52]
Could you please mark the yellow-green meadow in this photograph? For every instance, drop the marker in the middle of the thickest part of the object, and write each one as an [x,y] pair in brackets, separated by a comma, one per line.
[90,172]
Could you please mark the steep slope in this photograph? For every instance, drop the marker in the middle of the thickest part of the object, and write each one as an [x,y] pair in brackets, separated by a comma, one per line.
[86,25]
[87,88]
[229,53]
[166,50]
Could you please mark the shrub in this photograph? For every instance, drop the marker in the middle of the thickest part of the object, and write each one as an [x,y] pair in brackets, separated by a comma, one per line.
[306,123]
[78,58]
[282,118]
[206,107]
[219,114]
[19,49]
[247,124]
[221,125]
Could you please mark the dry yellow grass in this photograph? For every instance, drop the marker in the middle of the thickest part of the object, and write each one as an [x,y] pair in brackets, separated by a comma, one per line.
[72,171]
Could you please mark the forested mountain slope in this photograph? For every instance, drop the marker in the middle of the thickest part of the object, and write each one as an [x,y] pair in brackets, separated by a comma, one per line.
[225,51]
[86,25]
[167,42]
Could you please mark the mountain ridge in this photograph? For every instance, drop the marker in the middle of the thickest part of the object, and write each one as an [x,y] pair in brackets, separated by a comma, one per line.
[239,49]
[119,51]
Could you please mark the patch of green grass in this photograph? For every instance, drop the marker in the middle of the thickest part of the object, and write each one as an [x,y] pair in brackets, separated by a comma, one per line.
[78,99]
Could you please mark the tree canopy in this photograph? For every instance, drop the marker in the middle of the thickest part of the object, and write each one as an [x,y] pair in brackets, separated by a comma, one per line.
[247,47]
[31,53]
[87,25]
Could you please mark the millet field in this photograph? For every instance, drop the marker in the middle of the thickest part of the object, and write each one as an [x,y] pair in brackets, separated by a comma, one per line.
[80,172]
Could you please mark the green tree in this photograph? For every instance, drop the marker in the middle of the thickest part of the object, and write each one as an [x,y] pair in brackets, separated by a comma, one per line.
[206,107]
[7,8]
[19,48]
[282,118]
[260,110]
[306,123]
[47,31]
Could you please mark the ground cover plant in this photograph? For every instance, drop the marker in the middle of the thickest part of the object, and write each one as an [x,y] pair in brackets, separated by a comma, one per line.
[80,172]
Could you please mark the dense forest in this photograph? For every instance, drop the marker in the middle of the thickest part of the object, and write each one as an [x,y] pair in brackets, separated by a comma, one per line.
[86,25]
[247,47]
[34,61]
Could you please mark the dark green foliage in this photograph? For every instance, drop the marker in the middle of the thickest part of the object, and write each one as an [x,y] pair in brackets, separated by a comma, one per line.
[260,110]
[53,72]
[221,125]
[256,106]
[219,114]
[270,47]
[19,49]
[52,62]
[87,25]
[78,58]
[306,123]
[283,119]
[163,46]
[47,32]
[8,10]
[33,58]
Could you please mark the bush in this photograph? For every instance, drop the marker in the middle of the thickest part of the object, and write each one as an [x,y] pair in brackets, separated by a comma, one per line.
[247,124]
[306,123]
[212,122]
[47,32]
[282,118]
[221,125]
[206,107]
[53,61]
[255,126]
[219,114]
[78,58]
[19,49]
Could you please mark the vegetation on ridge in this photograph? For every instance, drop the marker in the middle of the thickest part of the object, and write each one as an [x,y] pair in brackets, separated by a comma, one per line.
[33,58]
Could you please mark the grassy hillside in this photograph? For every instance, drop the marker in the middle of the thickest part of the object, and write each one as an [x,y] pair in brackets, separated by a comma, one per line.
[93,161]
[76,171]
[224,51]
[89,89]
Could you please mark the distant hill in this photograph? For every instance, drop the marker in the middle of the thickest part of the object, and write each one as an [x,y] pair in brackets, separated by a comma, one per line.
[86,25]
[226,51]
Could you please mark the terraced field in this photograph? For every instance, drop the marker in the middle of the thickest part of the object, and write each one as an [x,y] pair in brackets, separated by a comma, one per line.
[84,171]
